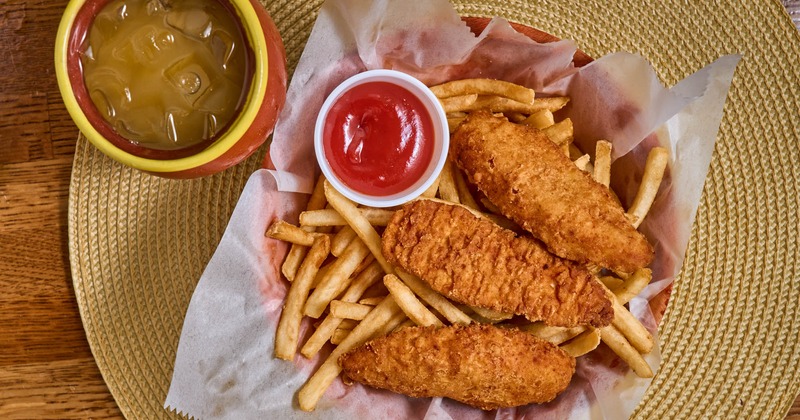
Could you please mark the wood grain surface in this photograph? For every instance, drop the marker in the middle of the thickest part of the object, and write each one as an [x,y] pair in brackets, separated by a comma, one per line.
[46,366]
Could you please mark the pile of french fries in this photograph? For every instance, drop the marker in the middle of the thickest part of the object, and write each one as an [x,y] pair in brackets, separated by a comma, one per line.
[340,278]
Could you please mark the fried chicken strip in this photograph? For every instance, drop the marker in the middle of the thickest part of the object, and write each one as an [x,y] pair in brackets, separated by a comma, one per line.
[534,184]
[471,260]
[481,365]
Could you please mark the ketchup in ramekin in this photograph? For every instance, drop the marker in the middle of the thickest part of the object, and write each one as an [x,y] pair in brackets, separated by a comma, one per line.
[381,138]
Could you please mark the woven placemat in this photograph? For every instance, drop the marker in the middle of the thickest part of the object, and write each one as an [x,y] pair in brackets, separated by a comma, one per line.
[139,243]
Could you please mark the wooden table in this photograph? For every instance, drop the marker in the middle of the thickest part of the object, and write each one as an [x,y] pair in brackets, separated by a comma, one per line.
[46,367]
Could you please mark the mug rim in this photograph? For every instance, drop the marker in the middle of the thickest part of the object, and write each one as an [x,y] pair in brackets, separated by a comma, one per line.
[251,26]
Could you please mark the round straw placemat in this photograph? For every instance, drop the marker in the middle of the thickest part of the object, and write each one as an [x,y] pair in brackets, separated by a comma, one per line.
[139,243]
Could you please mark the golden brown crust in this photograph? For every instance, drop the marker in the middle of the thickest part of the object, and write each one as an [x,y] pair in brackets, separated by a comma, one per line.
[472,260]
[481,365]
[534,184]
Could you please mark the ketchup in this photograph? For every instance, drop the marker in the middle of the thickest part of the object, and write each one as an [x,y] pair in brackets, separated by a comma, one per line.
[378,138]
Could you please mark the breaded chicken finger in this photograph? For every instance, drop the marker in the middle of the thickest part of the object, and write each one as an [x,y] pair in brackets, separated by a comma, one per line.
[481,365]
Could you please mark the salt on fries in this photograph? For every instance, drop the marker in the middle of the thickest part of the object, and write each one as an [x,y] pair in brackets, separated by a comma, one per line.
[334,229]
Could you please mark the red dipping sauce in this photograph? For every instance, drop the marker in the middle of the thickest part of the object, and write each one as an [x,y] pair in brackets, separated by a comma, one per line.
[378,138]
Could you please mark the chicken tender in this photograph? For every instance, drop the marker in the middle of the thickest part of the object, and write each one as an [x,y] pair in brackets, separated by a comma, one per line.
[481,365]
[474,261]
[534,184]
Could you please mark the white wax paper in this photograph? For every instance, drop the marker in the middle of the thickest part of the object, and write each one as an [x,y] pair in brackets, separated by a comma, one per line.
[224,367]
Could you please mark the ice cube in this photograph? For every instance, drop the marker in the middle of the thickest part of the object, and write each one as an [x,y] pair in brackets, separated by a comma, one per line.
[122,12]
[193,22]
[125,130]
[155,7]
[144,45]
[189,82]
[188,78]
[102,103]
[222,46]
[88,53]
[107,89]
[210,129]
[169,127]
[106,25]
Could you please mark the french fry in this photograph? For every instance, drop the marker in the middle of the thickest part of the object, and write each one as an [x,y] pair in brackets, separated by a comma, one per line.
[540,120]
[435,300]
[431,191]
[359,223]
[406,323]
[654,169]
[574,152]
[632,329]
[336,280]
[413,308]
[565,148]
[288,232]
[555,335]
[551,104]
[464,195]
[372,301]
[339,335]
[633,285]
[347,324]
[453,123]
[602,162]
[448,191]
[384,318]
[490,315]
[369,259]
[458,103]
[629,326]
[341,240]
[619,345]
[583,163]
[499,104]
[484,87]
[377,289]
[611,282]
[583,343]
[288,329]
[516,117]
[490,206]
[349,310]
[330,217]
[323,333]
[561,132]
[321,274]
[317,201]
[297,253]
